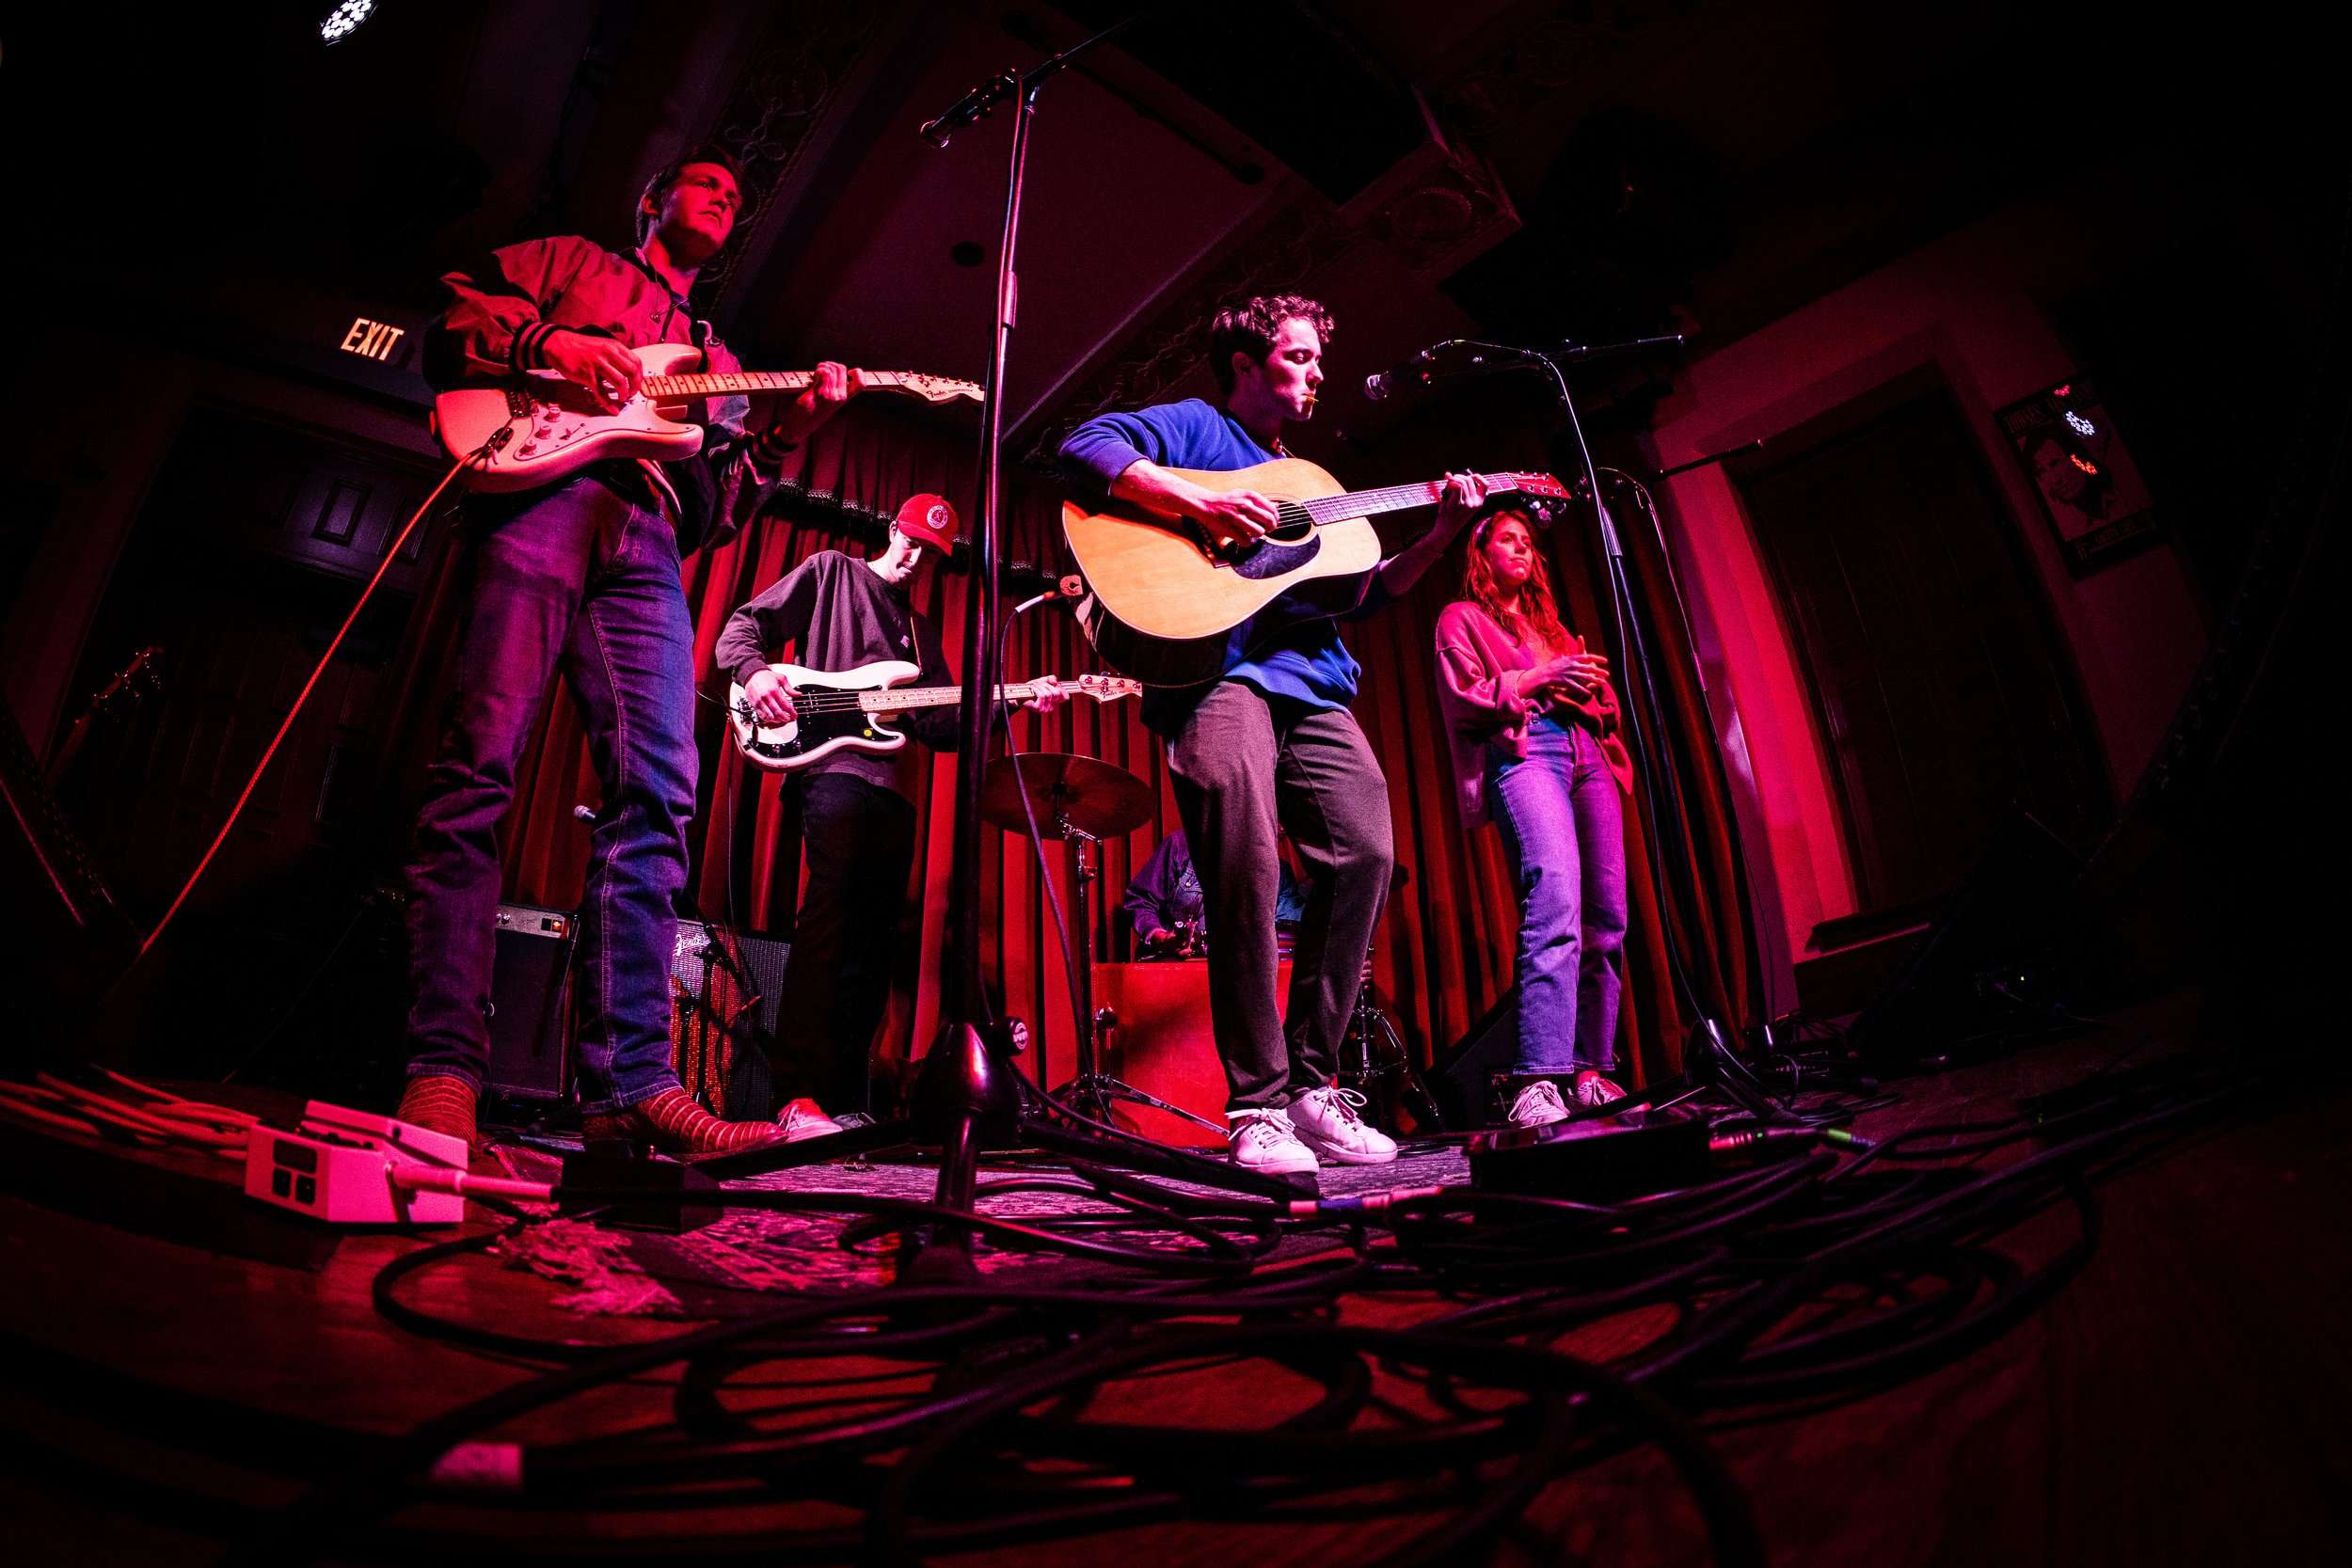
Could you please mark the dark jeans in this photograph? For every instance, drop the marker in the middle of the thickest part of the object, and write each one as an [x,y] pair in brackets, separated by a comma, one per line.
[582,580]
[1243,765]
[860,842]
[1564,829]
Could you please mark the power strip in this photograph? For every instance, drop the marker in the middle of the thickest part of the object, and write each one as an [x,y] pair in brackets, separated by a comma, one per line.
[340,1165]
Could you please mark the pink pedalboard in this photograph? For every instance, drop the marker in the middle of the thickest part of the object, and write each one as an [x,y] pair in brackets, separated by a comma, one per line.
[338,1165]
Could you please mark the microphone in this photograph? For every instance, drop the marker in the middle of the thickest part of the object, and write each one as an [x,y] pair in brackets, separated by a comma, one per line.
[1072,587]
[1379,388]
[971,108]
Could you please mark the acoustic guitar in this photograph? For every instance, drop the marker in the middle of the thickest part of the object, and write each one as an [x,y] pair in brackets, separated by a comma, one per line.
[1163,597]
[534,428]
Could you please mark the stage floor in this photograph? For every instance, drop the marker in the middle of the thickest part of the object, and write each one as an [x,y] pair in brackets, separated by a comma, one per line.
[2187,1398]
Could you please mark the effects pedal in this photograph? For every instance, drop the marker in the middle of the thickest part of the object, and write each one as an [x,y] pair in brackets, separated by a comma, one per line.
[1595,1160]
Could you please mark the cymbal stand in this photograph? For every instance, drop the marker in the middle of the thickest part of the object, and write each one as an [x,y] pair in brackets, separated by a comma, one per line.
[1373,1033]
[1091,1090]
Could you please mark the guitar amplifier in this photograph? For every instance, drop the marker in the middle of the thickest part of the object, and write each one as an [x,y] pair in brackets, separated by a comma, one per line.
[714,971]
[1462,1079]
[723,980]
[530,1003]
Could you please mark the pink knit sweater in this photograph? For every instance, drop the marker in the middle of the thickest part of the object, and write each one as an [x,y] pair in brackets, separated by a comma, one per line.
[1475,658]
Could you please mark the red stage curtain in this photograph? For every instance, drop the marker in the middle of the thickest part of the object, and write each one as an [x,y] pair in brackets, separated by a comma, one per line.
[1443,953]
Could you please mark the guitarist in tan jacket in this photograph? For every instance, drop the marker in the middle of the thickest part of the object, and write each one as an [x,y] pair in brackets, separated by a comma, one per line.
[581,575]
[1269,746]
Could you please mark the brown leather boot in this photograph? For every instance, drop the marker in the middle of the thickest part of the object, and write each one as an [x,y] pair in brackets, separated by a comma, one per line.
[439,1103]
[673,1123]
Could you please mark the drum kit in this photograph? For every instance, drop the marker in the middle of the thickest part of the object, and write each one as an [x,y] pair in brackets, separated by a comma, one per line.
[1082,801]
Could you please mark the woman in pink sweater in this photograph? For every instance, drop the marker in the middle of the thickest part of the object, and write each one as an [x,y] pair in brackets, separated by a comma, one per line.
[1535,728]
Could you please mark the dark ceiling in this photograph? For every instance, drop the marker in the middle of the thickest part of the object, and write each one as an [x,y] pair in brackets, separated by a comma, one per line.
[1540,169]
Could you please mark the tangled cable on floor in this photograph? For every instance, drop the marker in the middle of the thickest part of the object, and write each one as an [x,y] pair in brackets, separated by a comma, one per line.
[896,1425]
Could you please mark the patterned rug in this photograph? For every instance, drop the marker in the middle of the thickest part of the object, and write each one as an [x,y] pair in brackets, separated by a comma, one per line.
[741,1263]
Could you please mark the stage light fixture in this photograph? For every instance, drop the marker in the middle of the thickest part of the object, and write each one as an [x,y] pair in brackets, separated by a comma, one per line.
[343,21]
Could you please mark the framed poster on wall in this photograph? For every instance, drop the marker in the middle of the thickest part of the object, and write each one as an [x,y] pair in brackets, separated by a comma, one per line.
[2090,490]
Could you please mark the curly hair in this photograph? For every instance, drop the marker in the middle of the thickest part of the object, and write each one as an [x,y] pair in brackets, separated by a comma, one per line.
[1537,610]
[1249,328]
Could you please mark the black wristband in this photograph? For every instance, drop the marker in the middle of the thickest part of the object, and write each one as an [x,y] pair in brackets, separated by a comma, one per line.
[767,448]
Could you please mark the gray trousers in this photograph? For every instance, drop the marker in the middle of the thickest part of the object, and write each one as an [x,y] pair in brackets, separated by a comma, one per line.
[1245,766]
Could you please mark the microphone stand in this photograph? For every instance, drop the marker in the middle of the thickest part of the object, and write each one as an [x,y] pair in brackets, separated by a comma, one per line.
[967,1097]
[1707,1058]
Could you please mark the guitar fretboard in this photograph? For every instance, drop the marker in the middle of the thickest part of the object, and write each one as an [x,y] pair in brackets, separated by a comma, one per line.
[1396,497]
[720,383]
[898,700]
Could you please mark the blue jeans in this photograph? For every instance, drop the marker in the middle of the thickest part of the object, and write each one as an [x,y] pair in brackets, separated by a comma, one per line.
[1564,832]
[583,580]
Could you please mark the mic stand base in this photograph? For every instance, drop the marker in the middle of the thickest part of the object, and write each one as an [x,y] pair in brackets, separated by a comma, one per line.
[1162,1160]
[1095,1093]
[966,1101]
[1707,1059]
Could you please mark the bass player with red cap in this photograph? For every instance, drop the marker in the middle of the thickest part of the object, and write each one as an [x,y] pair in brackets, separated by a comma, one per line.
[838,612]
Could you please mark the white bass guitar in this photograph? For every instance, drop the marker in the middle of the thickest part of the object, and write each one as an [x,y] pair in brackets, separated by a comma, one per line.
[842,710]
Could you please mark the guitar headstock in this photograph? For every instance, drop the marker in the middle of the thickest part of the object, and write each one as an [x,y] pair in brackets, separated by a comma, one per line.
[1105,688]
[1543,495]
[936,389]
[134,682]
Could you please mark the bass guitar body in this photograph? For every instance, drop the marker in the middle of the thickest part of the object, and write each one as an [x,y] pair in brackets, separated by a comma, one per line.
[841,710]
[1163,600]
[830,720]
[538,427]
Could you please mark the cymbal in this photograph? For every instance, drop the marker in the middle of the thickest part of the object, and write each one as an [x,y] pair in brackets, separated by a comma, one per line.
[1097,799]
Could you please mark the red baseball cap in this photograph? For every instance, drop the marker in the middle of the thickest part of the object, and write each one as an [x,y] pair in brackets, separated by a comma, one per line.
[929,520]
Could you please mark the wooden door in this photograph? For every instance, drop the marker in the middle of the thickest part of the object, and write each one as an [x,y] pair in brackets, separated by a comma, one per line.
[1939,687]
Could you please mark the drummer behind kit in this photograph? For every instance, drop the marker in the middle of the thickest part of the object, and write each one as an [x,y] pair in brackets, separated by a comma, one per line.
[1080,801]
[842,711]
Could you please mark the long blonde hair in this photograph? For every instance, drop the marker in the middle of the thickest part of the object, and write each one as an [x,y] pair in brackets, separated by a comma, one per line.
[1537,611]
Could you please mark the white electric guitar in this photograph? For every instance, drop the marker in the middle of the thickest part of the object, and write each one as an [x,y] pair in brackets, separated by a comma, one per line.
[535,428]
[841,710]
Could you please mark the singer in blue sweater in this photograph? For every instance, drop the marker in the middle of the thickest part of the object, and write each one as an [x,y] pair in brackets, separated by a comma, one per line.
[1270,747]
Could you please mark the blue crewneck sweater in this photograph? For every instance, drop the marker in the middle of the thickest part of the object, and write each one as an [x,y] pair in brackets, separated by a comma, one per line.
[1287,650]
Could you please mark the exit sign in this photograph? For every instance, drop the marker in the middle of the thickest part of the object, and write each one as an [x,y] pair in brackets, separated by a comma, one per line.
[372,339]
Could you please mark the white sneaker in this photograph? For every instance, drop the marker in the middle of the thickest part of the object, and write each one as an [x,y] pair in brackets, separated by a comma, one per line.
[1326,1122]
[1265,1140]
[1595,1091]
[1538,1105]
[800,1118]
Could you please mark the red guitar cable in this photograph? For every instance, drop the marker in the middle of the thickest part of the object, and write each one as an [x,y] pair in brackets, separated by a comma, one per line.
[391,554]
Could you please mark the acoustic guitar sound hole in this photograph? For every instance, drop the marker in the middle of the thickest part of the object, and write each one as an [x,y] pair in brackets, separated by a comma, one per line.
[1289,545]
